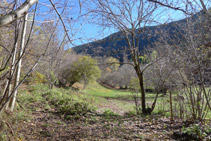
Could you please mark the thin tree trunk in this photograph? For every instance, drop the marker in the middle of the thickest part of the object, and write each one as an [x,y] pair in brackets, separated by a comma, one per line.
[155,101]
[12,69]
[17,77]
[143,100]
[171,106]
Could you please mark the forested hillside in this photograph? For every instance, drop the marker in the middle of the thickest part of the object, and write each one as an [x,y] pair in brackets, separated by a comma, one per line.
[115,45]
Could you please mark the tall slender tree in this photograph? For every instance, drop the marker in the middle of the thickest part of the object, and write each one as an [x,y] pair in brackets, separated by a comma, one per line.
[129,17]
[18,70]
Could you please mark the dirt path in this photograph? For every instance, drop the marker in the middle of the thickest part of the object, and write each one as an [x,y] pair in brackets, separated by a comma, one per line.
[48,126]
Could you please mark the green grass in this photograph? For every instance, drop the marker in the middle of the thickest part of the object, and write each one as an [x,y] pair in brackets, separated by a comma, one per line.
[119,101]
[102,98]
[97,90]
[122,100]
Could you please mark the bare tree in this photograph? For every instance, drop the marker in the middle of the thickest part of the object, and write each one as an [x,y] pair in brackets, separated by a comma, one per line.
[18,70]
[194,54]
[15,13]
[129,17]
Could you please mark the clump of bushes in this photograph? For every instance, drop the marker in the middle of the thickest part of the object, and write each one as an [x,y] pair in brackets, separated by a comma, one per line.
[70,106]
[194,132]
[63,101]
[35,78]
[32,96]
[109,114]
[73,109]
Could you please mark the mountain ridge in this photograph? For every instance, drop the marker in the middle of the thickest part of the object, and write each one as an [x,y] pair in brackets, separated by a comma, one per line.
[115,45]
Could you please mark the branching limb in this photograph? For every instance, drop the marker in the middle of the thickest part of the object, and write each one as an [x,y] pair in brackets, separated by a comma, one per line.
[60,17]
[8,124]
[18,13]
[169,6]
[151,63]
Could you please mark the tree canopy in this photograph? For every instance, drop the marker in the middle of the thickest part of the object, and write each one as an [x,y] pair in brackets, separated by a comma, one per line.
[85,69]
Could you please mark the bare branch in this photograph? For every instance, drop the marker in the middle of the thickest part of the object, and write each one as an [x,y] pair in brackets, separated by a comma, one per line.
[151,63]
[171,7]
[60,17]
[5,48]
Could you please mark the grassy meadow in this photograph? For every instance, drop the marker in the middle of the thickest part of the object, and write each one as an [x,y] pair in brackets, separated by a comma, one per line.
[101,99]
[122,101]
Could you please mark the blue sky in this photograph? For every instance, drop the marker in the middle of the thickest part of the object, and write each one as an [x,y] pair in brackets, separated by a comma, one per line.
[87,33]
[90,32]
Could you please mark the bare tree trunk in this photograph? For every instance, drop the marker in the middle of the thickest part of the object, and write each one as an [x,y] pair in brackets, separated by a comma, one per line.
[171,106]
[17,77]
[12,69]
[142,90]
[143,100]
[192,103]
[18,13]
[155,101]
[198,97]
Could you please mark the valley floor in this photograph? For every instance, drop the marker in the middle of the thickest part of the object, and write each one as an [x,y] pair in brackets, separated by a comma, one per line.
[42,122]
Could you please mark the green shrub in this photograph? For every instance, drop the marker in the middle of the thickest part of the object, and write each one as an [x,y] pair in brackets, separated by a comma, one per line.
[34,95]
[108,114]
[38,88]
[71,106]
[73,109]
[30,98]
[65,102]
[196,132]
[21,115]
[39,78]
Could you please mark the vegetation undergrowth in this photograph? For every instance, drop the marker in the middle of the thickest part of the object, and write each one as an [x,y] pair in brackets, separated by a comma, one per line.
[108,114]
[9,121]
[194,132]
[69,104]
[75,107]
[37,98]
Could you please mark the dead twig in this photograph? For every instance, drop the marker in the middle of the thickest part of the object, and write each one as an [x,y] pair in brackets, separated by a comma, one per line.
[9,125]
